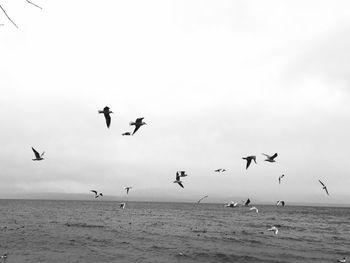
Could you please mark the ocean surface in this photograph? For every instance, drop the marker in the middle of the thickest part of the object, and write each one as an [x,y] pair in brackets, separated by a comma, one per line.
[99,231]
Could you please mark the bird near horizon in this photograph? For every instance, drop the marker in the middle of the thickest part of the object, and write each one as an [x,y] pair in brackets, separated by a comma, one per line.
[220,170]
[178,181]
[274,229]
[127,189]
[138,123]
[254,208]
[324,187]
[38,157]
[247,202]
[96,193]
[280,202]
[126,134]
[279,178]
[269,158]
[231,204]
[106,112]
[343,260]
[122,205]
[249,160]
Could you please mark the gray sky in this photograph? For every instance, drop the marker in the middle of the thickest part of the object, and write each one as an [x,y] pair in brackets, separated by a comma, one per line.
[215,81]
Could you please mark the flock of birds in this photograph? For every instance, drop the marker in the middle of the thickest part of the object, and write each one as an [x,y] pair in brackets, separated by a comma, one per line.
[181,174]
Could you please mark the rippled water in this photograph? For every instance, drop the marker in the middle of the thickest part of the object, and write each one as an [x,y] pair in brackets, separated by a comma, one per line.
[98,231]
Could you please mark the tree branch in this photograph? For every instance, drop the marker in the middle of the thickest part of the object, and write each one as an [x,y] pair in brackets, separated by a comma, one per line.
[8,16]
[33,4]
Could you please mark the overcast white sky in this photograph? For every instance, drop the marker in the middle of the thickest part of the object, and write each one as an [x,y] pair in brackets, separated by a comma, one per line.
[215,81]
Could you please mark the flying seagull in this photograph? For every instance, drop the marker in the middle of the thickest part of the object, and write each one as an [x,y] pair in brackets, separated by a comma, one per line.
[122,205]
[178,181]
[106,113]
[274,229]
[38,157]
[279,178]
[324,187]
[342,260]
[126,134]
[127,189]
[280,202]
[220,170]
[249,160]
[96,194]
[183,174]
[269,158]
[254,208]
[201,199]
[138,123]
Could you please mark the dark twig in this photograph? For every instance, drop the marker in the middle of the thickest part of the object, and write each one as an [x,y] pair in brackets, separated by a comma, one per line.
[8,16]
[34,4]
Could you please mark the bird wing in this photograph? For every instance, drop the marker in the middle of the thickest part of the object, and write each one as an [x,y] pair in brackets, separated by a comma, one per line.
[248,163]
[202,198]
[181,184]
[137,126]
[37,155]
[321,183]
[325,188]
[274,156]
[268,156]
[279,179]
[108,119]
[127,190]
[94,191]
[42,154]
[177,176]
[217,170]
[254,158]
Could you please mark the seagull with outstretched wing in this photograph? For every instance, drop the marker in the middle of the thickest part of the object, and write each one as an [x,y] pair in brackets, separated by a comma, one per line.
[38,157]
[106,113]
[178,181]
[138,123]
[269,158]
[249,160]
[324,187]
[96,193]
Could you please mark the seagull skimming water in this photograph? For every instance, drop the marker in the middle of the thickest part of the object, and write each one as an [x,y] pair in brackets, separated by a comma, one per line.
[254,208]
[280,202]
[274,229]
